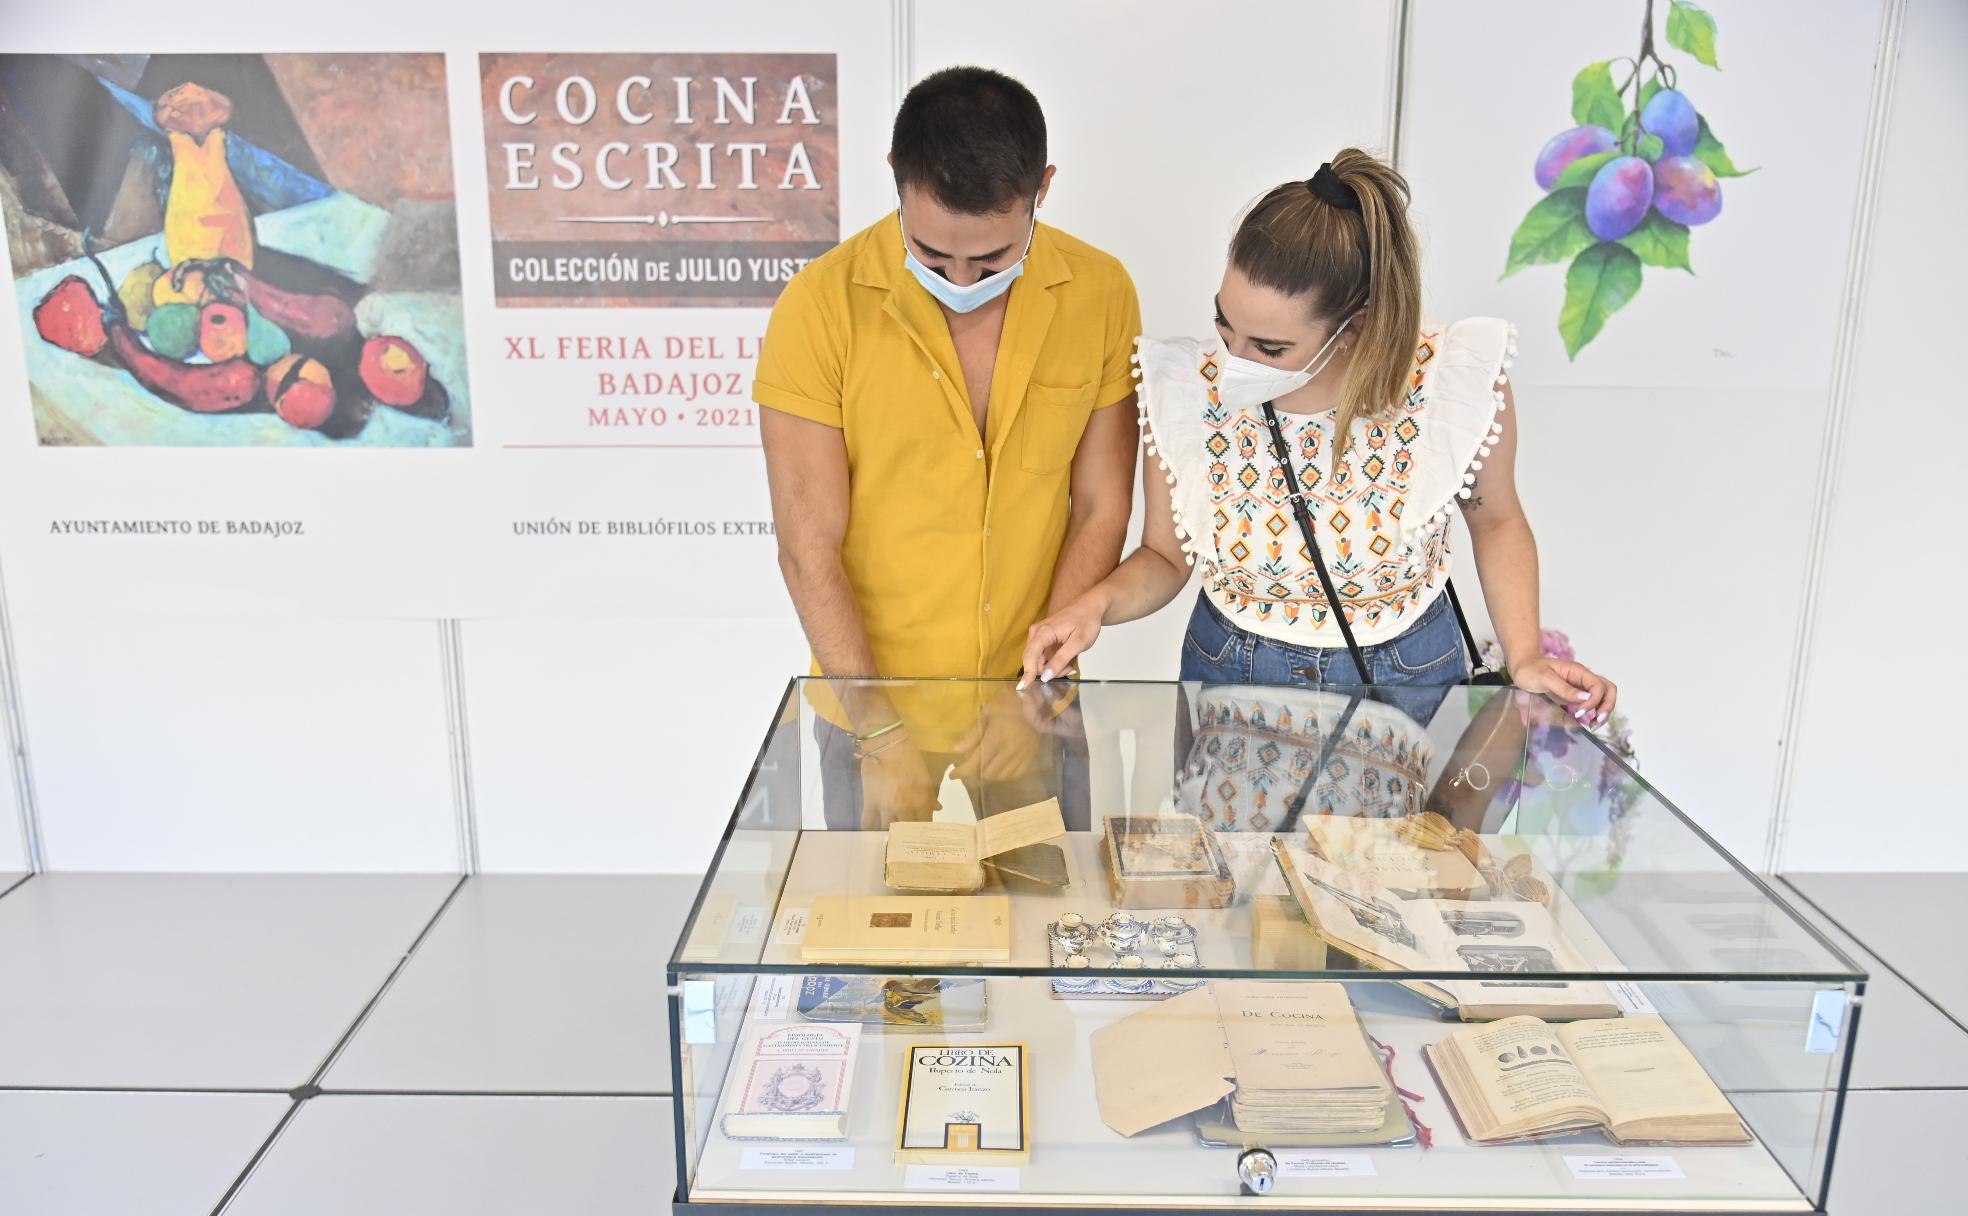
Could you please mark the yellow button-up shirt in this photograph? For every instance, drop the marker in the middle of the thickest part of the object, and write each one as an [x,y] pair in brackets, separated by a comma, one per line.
[952,536]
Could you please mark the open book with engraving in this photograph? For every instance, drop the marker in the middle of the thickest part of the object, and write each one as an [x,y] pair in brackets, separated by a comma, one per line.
[1505,944]
[1629,1078]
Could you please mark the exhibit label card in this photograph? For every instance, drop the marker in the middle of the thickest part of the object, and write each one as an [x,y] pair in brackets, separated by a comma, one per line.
[762,1157]
[962,1178]
[1326,1165]
[1634,1169]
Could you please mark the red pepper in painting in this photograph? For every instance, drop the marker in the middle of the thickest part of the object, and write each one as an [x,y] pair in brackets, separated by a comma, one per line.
[209,388]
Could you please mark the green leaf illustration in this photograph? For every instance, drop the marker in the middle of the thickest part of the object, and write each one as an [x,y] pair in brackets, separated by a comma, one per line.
[1691,29]
[1600,282]
[1647,92]
[1659,241]
[1594,100]
[1553,231]
[1581,171]
[1650,148]
[1709,151]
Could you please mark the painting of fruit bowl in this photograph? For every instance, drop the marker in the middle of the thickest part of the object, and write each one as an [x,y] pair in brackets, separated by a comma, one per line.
[235,250]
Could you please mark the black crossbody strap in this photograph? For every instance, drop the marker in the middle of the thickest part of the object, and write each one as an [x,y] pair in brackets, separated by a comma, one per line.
[1282,451]
[1462,622]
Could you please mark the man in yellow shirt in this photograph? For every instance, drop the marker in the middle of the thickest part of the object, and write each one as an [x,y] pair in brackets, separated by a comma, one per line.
[944,452]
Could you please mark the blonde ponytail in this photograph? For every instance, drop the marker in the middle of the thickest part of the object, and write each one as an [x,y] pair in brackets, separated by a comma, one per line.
[1343,257]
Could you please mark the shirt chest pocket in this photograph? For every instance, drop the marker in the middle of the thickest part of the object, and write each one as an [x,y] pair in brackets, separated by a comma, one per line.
[1054,419]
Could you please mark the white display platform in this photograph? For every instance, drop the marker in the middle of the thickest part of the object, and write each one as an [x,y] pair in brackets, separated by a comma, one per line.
[1075,1153]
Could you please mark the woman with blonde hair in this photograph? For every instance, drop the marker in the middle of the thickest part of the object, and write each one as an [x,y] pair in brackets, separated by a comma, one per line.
[1311,453]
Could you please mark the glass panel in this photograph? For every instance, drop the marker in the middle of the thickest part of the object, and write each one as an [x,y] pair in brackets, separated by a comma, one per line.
[1446,858]
[1748,1038]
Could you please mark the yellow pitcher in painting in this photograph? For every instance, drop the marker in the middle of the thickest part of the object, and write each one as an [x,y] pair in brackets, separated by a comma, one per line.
[205,215]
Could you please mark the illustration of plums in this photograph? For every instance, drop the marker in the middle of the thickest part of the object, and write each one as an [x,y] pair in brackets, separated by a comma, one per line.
[1670,115]
[1685,190]
[1567,146]
[1619,196]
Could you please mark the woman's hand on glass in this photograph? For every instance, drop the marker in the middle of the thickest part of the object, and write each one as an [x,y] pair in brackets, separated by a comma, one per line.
[1587,694]
[1053,644]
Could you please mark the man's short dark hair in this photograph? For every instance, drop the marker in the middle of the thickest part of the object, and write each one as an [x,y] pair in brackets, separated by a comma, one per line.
[974,138]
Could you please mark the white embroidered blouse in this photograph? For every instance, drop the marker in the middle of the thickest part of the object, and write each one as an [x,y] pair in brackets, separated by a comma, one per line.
[1382,517]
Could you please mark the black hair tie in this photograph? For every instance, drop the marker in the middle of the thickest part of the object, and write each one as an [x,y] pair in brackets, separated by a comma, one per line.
[1332,191]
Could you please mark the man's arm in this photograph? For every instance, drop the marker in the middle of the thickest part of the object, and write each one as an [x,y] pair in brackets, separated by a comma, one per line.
[806,468]
[1102,500]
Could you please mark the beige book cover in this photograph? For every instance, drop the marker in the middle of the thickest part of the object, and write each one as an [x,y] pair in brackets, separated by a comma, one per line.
[1630,1078]
[964,1102]
[908,929]
[934,855]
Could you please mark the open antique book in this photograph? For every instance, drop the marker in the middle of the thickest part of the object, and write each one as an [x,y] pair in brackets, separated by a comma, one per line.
[1504,944]
[1631,1078]
[932,855]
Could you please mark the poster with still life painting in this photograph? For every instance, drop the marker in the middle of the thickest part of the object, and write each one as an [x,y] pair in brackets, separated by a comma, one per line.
[235,250]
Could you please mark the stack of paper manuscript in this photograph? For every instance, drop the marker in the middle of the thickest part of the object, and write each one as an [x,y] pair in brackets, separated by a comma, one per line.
[1303,1064]
[1291,1058]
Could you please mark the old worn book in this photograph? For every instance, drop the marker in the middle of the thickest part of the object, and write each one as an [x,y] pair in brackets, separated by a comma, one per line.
[1629,1078]
[902,930]
[1389,852]
[1291,1059]
[791,1082]
[965,1102]
[934,855]
[1164,861]
[1280,938]
[1505,946]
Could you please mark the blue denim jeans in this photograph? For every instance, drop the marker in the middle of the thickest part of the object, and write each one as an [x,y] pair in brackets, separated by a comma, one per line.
[1429,654]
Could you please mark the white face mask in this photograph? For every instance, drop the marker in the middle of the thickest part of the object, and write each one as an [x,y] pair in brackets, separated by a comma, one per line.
[1245,382]
[976,295]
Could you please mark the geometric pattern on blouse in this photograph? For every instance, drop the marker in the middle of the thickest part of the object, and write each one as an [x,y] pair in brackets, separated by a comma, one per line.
[1266,570]
[1251,758]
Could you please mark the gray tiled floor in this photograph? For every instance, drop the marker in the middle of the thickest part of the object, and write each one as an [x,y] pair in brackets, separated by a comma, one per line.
[486,1156]
[1905,1042]
[173,981]
[1926,948]
[62,1154]
[530,985]
[523,985]
[1900,1154]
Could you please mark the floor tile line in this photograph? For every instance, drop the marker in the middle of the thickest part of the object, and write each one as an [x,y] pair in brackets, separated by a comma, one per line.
[362,1018]
[1885,962]
[259,1155]
[138,1089]
[493,1093]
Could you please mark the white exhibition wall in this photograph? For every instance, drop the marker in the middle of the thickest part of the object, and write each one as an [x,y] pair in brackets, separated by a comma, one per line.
[611,694]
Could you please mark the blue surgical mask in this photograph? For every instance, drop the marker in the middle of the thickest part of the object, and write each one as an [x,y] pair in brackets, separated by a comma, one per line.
[978,294]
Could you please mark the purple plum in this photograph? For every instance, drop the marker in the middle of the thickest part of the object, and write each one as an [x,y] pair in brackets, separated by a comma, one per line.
[1618,198]
[1685,190]
[1567,146]
[1670,115]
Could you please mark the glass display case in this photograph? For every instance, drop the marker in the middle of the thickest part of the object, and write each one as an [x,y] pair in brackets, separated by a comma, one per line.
[1197,947]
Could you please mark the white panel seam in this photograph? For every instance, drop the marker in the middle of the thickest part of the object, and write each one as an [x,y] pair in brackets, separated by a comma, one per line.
[457,722]
[902,48]
[1397,79]
[1851,313]
[19,770]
